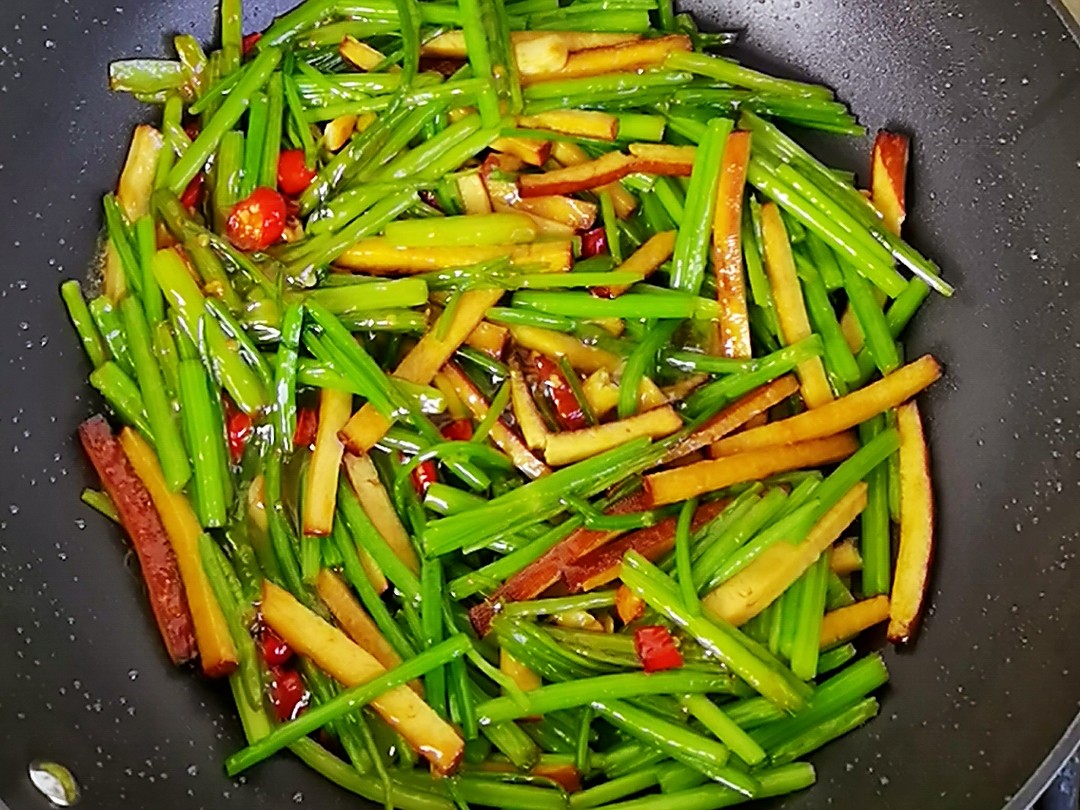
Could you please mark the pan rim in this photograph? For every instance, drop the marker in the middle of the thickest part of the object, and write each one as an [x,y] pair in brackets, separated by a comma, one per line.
[1069,744]
[1030,784]
[1044,774]
[1068,17]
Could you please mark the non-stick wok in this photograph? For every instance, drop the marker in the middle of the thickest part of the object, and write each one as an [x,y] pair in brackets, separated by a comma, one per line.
[978,714]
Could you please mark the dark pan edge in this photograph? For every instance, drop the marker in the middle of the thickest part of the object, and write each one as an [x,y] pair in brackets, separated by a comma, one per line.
[1039,781]
[1068,19]
[1069,744]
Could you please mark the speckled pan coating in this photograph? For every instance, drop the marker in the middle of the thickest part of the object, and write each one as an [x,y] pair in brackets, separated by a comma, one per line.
[991,91]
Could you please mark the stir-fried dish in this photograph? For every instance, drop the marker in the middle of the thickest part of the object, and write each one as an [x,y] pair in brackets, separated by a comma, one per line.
[507,405]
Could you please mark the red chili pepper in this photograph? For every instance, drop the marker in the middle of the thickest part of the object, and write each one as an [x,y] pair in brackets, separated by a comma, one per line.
[307,427]
[257,222]
[656,649]
[193,128]
[249,42]
[593,243]
[460,430]
[193,194]
[287,694]
[238,427]
[275,650]
[423,476]
[567,409]
[143,525]
[427,473]
[293,174]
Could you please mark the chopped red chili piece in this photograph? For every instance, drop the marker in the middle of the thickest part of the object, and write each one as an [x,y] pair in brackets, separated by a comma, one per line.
[656,649]
[193,194]
[460,430]
[423,476]
[275,650]
[258,221]
[288,694]
[555,386]
[294,176]
[593,243]
[239,427]
[307,427]
[249,42]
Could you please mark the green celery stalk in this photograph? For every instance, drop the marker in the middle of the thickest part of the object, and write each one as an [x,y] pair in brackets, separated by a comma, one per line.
[431,622]
[233,372]
[348,701]
[837,355]
[683,560]
[806,644]
[571,694]
[171,119]
[123,396]
[79,312]
[770,139]
[611,226]
[116,228]
[490,229]
[843,689]
[145,76]
[835,658]
[825,261]
[168,443]
[897,317]
[692,241]
[713,396]
[641,127]
[524,317]
[738,652]
[297,115]
[168,357]
[145,247]
[275,126]
[729,72]
[227,177]
[540,499]
[760,289]
[213,274]
[100,501]
[875,329]
[285,375]
[107,319]
[232,33]
[374,604]
[255,143]
[851,241]
[193,58]
[829,730]
[205,444]
[286,27]
[724,728]
[679,742]
[222,122]
[634,304]
[875,531]
[367,537]
[640,363]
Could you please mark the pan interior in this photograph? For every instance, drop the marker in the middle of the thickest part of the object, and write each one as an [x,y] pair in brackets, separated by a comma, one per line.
[992,98]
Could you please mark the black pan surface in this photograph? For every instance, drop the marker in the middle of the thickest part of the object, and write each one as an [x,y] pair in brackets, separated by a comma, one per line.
[991,91]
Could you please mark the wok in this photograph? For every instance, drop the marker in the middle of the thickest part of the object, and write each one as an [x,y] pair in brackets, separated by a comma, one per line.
[977,716]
